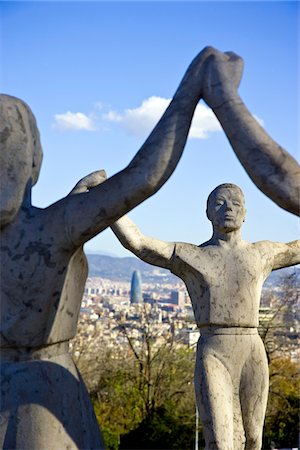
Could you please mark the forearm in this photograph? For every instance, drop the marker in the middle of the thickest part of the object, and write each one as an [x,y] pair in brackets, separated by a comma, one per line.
[273,170]
[150,250]
[128,234]
[158,157]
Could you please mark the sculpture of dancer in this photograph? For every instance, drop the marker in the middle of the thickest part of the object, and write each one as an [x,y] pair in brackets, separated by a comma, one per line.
[43,270]
[274,171]
[224,278]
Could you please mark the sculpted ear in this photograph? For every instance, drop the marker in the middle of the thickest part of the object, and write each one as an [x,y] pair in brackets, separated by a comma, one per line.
[208,214]
[36,163]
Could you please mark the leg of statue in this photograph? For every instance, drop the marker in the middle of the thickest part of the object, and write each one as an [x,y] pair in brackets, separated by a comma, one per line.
[254,393]
[214,394]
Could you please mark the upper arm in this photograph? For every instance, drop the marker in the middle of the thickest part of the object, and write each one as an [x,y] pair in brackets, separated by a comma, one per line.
[285,255]
[156,252]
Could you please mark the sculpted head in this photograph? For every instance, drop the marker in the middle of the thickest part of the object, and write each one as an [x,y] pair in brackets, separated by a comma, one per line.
[20,154]
[226,207]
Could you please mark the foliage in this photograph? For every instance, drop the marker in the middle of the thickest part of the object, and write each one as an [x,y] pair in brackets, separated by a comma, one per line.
[282,417]
[161,369]
[164,429]
[278,331]
[115,399]
[143,387]
[281,339]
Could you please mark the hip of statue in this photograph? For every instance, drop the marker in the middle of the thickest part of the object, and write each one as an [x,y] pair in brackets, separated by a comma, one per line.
[46,352]
[50,364]
[231,347]
[210,330]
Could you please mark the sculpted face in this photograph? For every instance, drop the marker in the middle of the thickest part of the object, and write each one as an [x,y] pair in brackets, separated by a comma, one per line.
[226,208]
[20,154]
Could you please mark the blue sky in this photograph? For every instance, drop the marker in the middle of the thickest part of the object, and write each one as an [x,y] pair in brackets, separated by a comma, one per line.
[98,74]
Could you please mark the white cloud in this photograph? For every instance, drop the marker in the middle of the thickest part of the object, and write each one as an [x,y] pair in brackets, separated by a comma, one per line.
[141,120]
[113,116]
[260,121]
[204,123]
[73,121]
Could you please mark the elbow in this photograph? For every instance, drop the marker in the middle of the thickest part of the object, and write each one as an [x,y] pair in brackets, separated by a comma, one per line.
[148,182]
[133,245]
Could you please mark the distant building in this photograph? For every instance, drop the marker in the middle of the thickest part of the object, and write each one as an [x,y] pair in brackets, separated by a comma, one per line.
[148,298]
[92,291]
[168,307]
[177,298]
[136,288]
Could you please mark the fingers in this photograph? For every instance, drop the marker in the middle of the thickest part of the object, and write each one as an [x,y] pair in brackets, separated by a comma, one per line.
[198,62]
[101,173]
[94,178]
[222,77]
[232,56]
[225,66]
[218,56]
[89,181]
[235,59]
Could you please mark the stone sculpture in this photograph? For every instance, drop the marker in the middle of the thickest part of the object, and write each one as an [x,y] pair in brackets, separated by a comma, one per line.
[44,403]
[224,278]
[43,268]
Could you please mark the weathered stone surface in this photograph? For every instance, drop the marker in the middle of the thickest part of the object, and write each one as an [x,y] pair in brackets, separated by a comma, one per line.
[224,277]
[43,268]
[44,403]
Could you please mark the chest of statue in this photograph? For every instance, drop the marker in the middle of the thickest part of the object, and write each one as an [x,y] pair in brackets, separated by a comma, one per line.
[224,284]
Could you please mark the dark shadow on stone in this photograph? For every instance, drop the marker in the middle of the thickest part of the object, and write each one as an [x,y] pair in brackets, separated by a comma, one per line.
[54,388]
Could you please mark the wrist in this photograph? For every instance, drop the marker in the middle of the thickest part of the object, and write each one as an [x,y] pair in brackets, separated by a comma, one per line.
[222,97]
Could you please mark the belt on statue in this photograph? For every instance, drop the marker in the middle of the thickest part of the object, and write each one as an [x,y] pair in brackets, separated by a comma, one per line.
[214,330]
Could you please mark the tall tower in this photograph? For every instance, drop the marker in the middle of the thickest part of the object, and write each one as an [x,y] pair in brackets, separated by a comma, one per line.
[136,288]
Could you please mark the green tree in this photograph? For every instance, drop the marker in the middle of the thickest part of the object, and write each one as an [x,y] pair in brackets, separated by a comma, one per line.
[281,340]
[162,368]
[163,429]
[279,329]
[146,381]
[282,417]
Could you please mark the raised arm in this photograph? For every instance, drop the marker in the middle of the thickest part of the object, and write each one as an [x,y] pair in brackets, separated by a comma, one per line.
[274,171]
[150,250]
[88,213]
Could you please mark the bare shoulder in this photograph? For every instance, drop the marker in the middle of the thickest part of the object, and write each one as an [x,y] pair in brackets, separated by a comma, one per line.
[189,254]
[274,246]
[263,246]
[184,248]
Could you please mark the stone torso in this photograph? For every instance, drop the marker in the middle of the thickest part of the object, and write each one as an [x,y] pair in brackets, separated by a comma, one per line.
[224,282]
[42,281]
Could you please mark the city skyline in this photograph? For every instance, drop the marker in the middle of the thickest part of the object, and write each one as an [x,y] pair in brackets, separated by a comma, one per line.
[98,75]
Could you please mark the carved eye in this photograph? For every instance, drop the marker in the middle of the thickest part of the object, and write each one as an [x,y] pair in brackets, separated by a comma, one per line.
[219,202]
